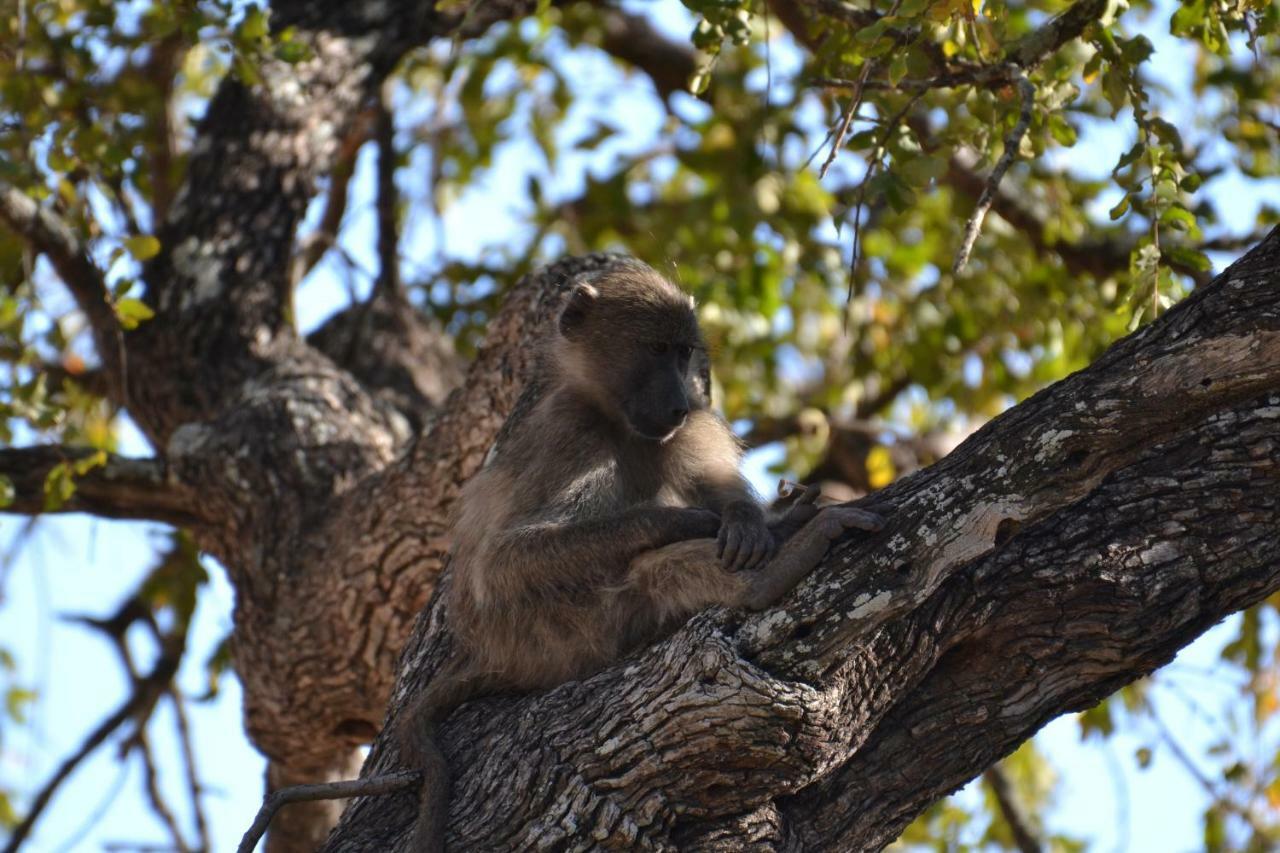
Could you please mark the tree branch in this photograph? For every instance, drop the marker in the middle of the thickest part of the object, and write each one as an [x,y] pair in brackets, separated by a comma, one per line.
[1012,142]
[633,40]
[141,699]
[321,240]
[221,284]
[1070,546]
[194,789]
[1007,799]
[120,487]
[53,238]
[324,791]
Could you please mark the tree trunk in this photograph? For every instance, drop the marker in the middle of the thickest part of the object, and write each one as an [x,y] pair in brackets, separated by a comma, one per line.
[1069,547]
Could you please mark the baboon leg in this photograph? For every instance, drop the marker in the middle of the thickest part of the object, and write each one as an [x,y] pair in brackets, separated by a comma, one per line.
[802,552]
[680,579]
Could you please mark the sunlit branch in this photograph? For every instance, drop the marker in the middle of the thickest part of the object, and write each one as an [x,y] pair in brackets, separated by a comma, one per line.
[111,486]
[1012,143]
[48,234]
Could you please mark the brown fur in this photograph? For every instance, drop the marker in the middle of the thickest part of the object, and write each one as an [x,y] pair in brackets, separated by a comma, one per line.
[596,525]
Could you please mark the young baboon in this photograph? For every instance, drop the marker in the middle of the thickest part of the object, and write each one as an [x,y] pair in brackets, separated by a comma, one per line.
[612,511]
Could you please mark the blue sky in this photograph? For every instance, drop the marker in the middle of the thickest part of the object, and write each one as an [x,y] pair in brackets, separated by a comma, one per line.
[72,565]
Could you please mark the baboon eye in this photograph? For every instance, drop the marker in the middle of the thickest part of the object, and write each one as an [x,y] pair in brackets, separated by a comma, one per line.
[684,352]
[658,347]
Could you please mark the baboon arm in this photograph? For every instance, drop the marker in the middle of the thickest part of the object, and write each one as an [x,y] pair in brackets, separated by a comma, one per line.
[681,579]
[583,546]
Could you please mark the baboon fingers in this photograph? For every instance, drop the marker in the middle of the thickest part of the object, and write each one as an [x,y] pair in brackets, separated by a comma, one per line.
[731,535]
[760,552]
[853,518]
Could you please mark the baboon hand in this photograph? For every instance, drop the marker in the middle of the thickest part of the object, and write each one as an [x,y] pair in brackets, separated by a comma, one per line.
[744,540]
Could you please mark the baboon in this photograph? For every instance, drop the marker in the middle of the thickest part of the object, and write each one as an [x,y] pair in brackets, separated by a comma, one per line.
[611,512]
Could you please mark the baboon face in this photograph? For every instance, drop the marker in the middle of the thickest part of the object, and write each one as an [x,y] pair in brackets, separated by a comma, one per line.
[634,346]
[655,398]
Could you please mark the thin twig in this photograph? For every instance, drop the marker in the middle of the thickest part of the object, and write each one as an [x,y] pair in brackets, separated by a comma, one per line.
[968,75]
[1012,142]
[850,111]
[1011,810]
[151,783]
[877,157]
[1210,787]
[194,787]
[388,197]
[373,786]
[138,704]
[99,811]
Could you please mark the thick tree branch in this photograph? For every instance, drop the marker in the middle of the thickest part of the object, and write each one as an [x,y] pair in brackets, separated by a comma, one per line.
[221,284]
[119,487]
[633,40]
[1070,546]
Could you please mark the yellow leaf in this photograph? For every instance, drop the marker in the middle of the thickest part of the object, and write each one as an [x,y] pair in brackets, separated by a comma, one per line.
[143,247]
[880,470]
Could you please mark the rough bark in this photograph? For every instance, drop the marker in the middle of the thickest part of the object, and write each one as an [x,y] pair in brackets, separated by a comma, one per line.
[1090,532]
[1070,546]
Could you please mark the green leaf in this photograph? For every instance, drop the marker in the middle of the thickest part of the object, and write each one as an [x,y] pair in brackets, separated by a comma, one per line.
[868,35]
[1179,218]
[16,700]
[143,247]
[1062,130]
[58,486]
[911,8]
[1120,209]
[254,25]
[898,68]
[1188,257]
[132,311]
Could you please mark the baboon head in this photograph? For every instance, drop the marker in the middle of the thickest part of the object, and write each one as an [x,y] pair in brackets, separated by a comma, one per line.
[630,342]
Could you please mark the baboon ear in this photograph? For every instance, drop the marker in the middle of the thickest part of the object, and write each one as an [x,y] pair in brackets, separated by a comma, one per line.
[577,308]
